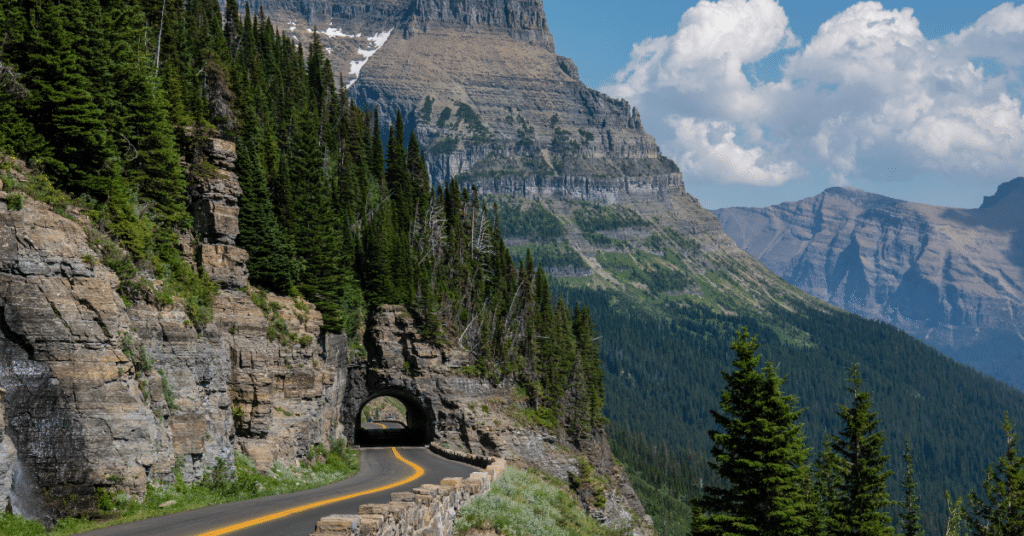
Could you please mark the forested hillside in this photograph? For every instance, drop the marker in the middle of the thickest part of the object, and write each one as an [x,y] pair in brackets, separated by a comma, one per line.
[663,379]
[666,332]
[110,103]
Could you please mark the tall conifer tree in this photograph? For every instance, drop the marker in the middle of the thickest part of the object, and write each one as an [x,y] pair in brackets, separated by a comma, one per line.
[1000,512]
[863,498]
[910,517]
[760,453]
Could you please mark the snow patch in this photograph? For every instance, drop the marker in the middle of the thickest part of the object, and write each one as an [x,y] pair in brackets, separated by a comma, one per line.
[334,32]
[378,41]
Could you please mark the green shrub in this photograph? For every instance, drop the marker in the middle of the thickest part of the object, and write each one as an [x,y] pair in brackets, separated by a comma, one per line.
[15,201]
[524,504]
[168,392]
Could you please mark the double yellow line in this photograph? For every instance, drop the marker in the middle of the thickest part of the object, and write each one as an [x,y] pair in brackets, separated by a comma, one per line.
[310,506]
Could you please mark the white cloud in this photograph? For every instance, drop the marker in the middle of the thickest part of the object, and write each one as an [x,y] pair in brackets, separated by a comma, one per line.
[867,90]
[709,148]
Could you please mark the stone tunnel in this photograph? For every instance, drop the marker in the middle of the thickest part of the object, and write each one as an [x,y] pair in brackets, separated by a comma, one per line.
[419,429]
[400,364]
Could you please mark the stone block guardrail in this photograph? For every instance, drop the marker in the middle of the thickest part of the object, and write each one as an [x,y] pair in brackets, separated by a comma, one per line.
[427,510]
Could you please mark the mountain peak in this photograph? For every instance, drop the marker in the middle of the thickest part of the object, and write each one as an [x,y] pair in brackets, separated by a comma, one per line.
[522,19]
[1005,189]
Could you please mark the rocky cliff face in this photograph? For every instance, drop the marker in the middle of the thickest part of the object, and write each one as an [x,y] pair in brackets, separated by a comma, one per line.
[96,392]
[470,414]
[488,98]
[493,105]
[103,395]
[952,277]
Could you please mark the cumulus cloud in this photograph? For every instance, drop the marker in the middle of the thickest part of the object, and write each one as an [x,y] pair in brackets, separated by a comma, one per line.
[866,91]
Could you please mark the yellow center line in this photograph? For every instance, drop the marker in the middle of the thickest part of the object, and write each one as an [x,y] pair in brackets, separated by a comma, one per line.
[310,506]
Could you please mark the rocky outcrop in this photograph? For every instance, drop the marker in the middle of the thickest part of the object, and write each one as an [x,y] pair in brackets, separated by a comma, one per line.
[469,414]
[101,393]
[954,278]
[8,458]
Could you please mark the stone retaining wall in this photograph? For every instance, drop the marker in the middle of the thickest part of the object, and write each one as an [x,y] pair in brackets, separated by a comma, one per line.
[427,510]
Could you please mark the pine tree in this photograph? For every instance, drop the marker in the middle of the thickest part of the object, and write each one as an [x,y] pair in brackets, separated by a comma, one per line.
[272,262]
[1001,511]
[759,451]
[910,518]
[956,516]
[863,498]
[590,363]
[62,104]
[824,488]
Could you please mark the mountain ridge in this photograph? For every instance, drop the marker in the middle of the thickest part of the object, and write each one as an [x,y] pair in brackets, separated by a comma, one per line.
[952,277]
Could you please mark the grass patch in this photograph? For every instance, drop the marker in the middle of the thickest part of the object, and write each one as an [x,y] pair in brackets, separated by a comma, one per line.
[592,218]
[531,221]
[277,329]
[322,466]
[657,274]
[525,504]
[551,256]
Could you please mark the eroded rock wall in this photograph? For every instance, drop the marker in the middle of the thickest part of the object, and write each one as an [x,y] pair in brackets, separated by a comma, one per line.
[469,413]
[105,393]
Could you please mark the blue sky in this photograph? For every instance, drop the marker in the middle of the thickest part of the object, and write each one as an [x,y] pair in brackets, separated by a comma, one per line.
[764,101]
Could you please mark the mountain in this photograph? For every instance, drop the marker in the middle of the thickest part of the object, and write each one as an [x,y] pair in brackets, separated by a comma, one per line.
[953,278]
[580,187]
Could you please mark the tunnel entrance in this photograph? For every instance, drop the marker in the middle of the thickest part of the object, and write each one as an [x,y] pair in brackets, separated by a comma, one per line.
[392,418]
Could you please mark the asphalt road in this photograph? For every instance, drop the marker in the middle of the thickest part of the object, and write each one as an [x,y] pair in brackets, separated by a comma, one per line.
[379,468]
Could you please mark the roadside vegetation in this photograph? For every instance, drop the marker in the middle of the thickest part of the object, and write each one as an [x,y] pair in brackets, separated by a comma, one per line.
[220,485]
[526,504]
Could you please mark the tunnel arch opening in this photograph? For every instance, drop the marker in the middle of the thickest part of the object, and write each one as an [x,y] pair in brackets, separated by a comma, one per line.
[418,429]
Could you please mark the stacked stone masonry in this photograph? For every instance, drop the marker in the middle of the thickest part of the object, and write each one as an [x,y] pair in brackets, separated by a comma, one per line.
[427,510]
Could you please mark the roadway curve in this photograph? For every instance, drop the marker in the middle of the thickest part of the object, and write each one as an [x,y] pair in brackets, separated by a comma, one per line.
[379,467]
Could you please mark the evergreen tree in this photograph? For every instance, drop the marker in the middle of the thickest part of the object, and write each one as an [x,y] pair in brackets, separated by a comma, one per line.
[956,517]
[1000,512]
[910,517]
[62,104]
[590,363]
[272,262]
[760,453]
[863,498]
[824,489]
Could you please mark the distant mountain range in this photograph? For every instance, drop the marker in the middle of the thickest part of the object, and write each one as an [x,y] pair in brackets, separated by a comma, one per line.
[953,278]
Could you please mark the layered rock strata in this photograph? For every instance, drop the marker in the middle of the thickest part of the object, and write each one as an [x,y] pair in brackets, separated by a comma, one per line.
[100,394]
[954,278]
[489,99]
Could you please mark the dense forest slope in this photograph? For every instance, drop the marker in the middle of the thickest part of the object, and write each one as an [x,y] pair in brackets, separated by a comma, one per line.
[584,191]
[953,278]
[197,221]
